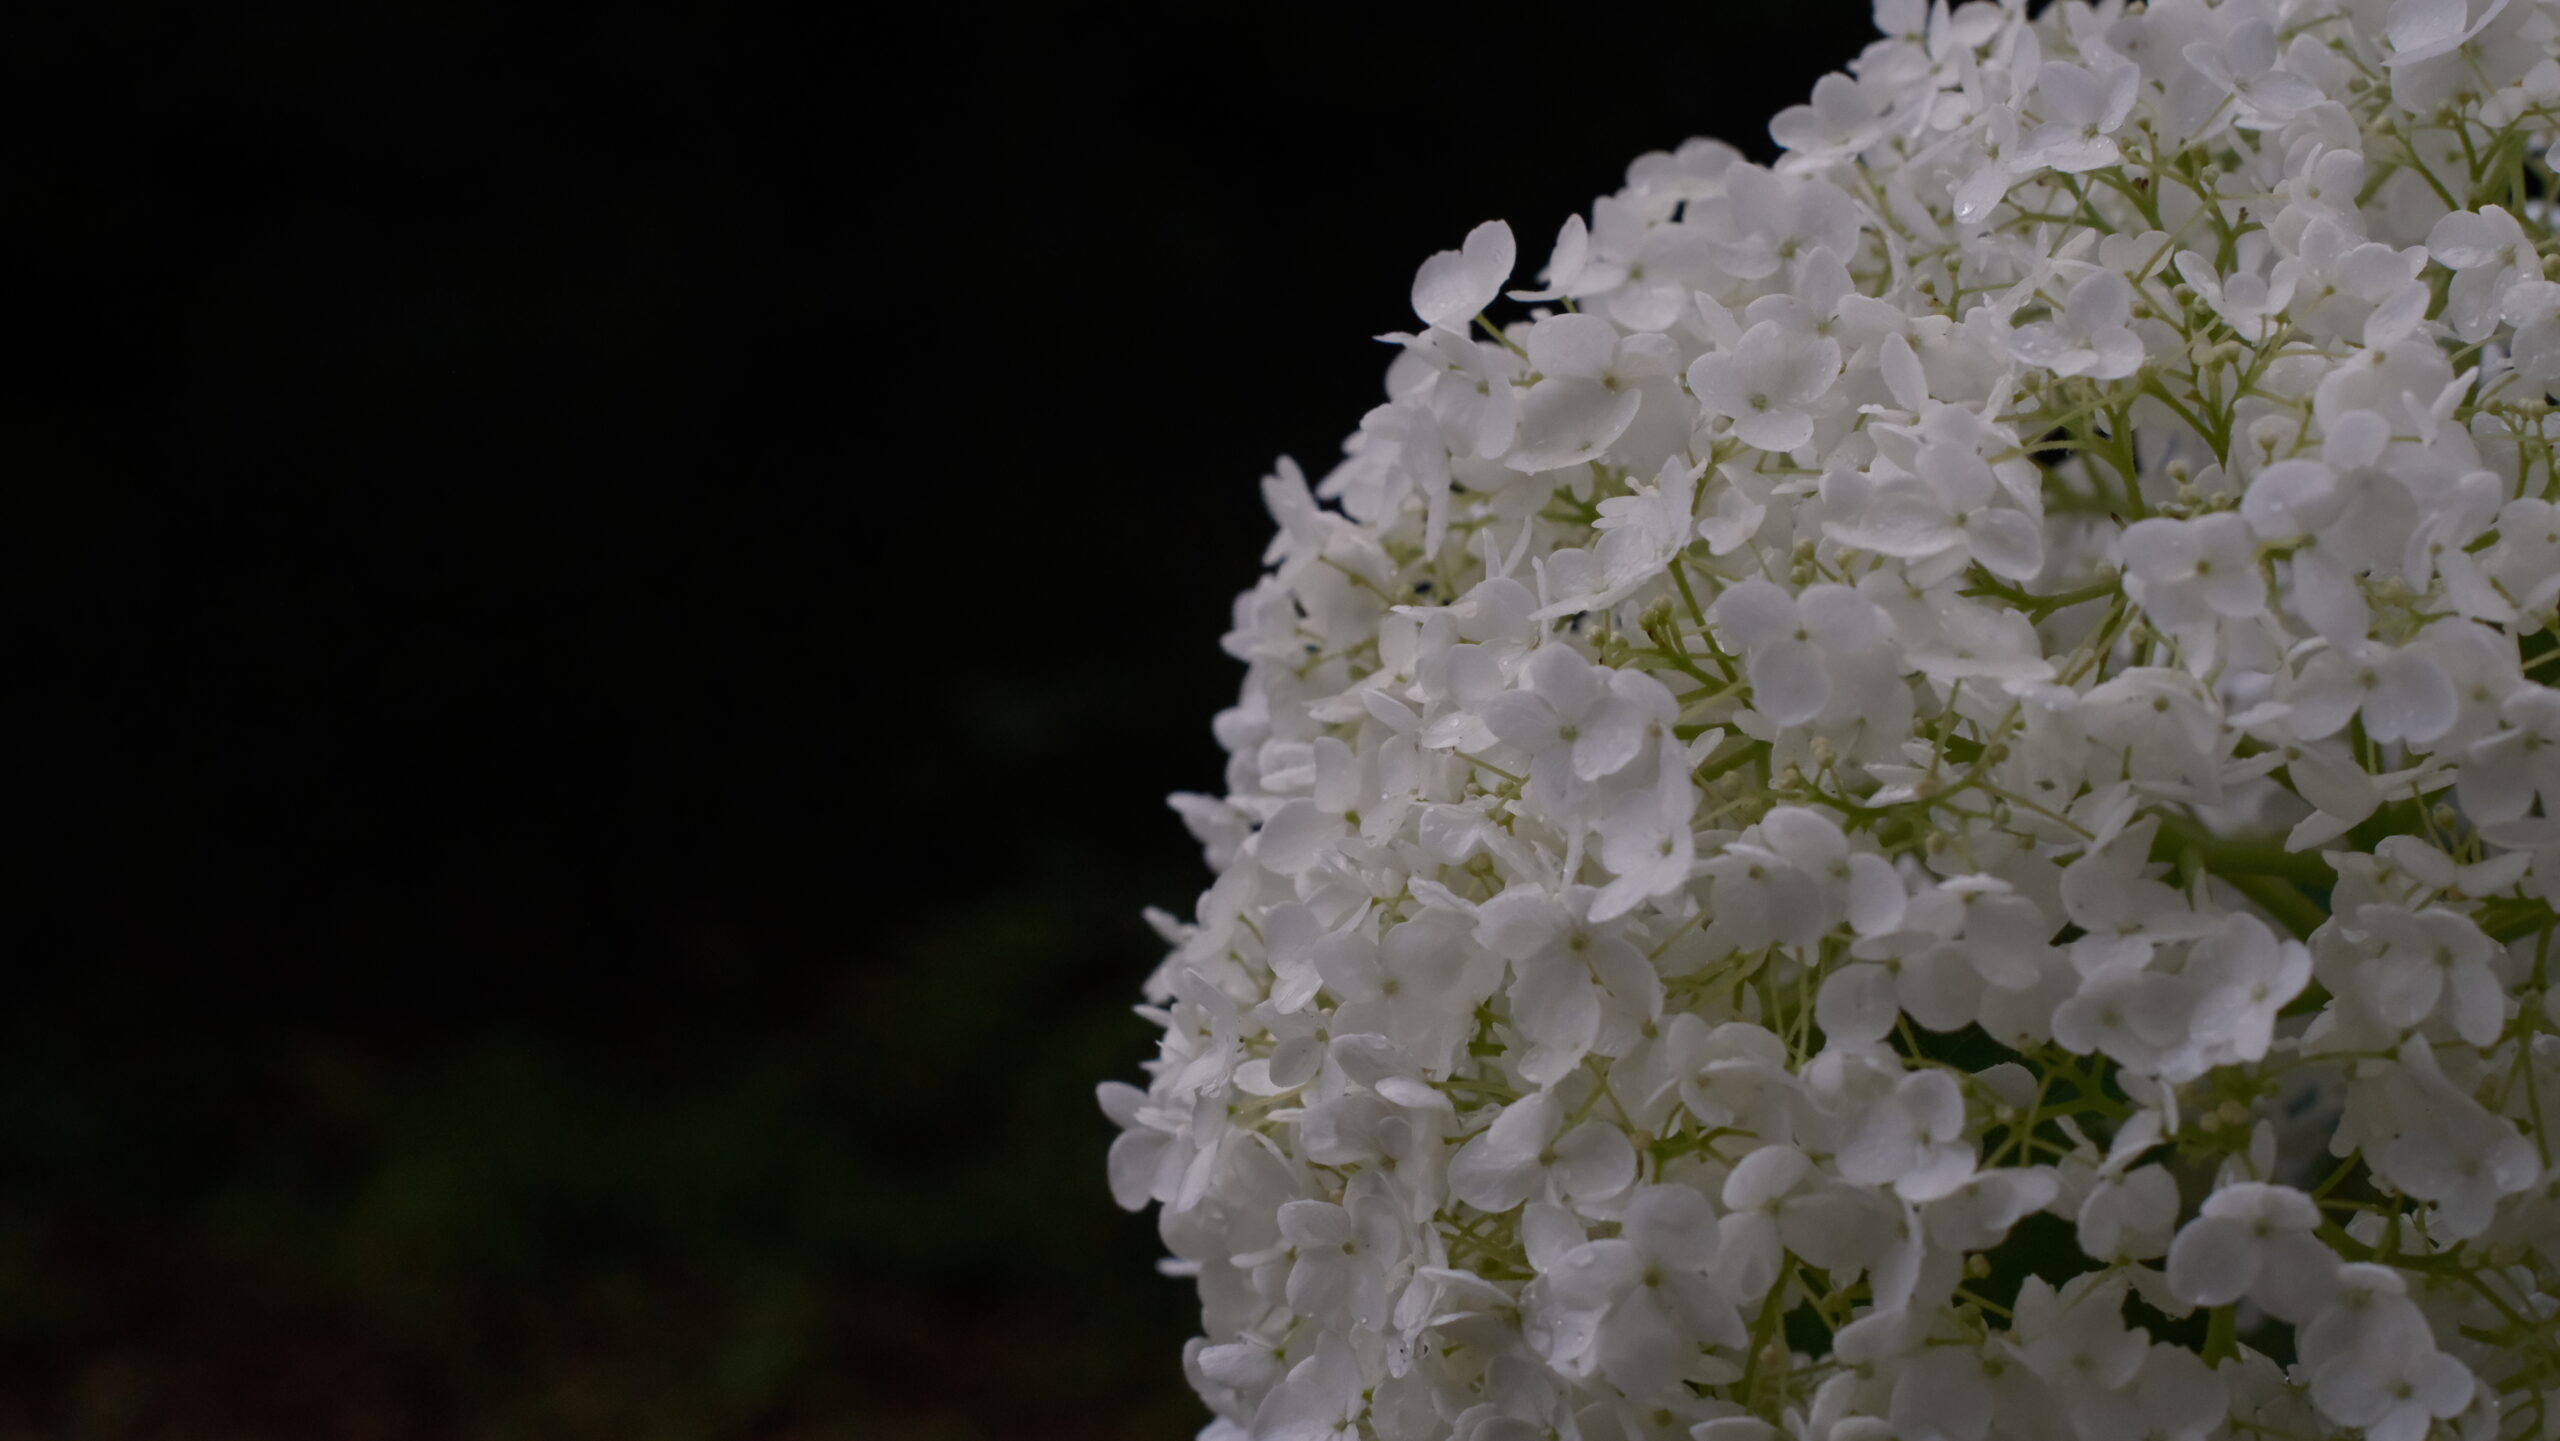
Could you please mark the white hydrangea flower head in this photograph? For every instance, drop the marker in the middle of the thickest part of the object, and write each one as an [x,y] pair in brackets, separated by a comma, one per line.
[1916,794]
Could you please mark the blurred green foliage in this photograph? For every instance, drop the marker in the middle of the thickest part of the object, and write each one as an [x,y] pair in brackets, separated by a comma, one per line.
[883,1219]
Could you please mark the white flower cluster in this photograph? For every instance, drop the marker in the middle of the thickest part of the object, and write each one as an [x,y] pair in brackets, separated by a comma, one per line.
[1924,801]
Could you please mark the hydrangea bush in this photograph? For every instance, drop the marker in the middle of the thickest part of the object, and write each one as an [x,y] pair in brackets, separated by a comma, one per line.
[1919,797]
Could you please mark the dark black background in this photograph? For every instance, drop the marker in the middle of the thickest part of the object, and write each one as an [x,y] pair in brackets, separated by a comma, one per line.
[599,608]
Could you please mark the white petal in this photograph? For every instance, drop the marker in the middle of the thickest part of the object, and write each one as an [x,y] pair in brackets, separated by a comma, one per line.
[2418,29]
[1595,1161]
[1640,1347]
[2414,702]
[1764,1174]
[1788,682]
[1314,1223]
[1718,383]
[1879,1148]
[1876,900]
[1903,520]
[2479,1004]
[2071,93]
[1753,613]
[1499,1168]
[1775,431]
[1594,1274]
[1136,1164]
[1982,191]
[1856,1005]
[2443,1384]
[1454,285]
[1295,835]
[1935,1103]
[1610,736]
[1575,345]
[1566,422]
[2212,1262]
[2297,1277]
[2007,542]
[1673,1225]
[1941,988]
[1522,719]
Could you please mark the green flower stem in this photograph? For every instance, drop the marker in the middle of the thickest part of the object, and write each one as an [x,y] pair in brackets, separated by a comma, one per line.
[2284,883]
[2228,858]
[2222,1335]
[2299,913]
